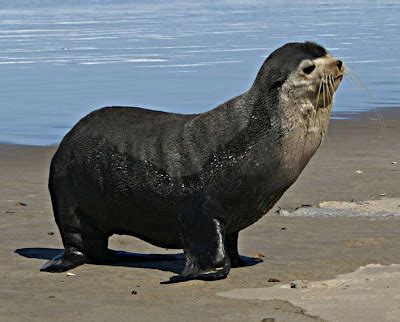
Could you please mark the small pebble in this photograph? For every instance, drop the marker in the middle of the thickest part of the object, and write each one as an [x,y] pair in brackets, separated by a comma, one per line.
[70,274]
[268,320]
[50,233]
[10,212]
[273,280]
[394,162]
[283,228]
[382,195]
[51,297]
[259,255]
[358,171]
[134,292]
[21,204]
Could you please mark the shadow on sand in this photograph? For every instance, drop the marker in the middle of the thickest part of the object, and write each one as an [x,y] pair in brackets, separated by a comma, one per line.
[165,262]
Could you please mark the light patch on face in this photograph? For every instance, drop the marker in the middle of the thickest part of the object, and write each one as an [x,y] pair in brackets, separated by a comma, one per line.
[313,84]
[306,101]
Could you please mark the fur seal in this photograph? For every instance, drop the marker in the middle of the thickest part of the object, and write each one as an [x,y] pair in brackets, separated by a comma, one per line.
[191,182]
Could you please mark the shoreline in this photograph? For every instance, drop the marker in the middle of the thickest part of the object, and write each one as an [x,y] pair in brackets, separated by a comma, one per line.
[335,117]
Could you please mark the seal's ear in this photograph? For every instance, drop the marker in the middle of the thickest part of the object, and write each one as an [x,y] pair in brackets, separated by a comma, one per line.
[278,82]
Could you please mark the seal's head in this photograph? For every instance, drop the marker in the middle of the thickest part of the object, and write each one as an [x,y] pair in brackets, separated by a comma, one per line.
[301,72]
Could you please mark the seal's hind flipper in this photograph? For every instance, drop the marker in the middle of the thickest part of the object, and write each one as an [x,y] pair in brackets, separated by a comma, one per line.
[68,259]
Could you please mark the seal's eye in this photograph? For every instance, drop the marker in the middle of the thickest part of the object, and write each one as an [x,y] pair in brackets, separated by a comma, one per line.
[309,69]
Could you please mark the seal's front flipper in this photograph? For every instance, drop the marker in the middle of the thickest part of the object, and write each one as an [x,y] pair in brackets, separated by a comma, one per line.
[68,259]
[214,275]
[204,247]
[234,257]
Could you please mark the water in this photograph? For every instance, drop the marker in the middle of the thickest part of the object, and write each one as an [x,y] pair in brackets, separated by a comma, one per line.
[61,59]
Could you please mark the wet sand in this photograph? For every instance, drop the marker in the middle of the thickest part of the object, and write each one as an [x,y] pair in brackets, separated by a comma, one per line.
[295,248]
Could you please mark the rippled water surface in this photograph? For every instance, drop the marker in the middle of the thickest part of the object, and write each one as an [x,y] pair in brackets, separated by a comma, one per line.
[61,59]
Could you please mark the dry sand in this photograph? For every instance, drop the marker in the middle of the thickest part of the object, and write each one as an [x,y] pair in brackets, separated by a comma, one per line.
[296,247]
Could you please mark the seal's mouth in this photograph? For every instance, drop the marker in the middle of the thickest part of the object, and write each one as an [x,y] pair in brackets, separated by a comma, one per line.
[339,77]
[326,77]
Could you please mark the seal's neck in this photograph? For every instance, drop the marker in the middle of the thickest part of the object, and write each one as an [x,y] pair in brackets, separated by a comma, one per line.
[240,120]
[252,112]
[256,128]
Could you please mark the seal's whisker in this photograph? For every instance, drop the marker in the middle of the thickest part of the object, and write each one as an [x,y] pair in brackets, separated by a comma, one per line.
[327,92]
[332,84]
[328,86]
[380,119]
[350,75]
[328,89]
[331,90]
[319,91]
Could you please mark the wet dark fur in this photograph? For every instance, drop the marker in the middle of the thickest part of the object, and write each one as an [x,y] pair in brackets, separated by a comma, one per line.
[173,180]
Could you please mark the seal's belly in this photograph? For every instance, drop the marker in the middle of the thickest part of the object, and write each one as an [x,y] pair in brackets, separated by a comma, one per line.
[138,213]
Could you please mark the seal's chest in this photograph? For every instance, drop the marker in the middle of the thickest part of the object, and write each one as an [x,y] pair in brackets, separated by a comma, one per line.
[301,140]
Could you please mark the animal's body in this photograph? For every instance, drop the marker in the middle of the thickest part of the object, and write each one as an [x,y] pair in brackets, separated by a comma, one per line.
[191,182]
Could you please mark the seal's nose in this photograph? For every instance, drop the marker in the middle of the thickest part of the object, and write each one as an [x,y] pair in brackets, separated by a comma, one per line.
[339,64]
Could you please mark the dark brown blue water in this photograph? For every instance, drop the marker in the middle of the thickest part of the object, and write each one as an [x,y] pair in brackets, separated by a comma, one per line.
[58,62]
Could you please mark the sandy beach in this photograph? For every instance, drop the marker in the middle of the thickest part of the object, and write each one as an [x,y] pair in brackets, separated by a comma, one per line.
[358,163]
